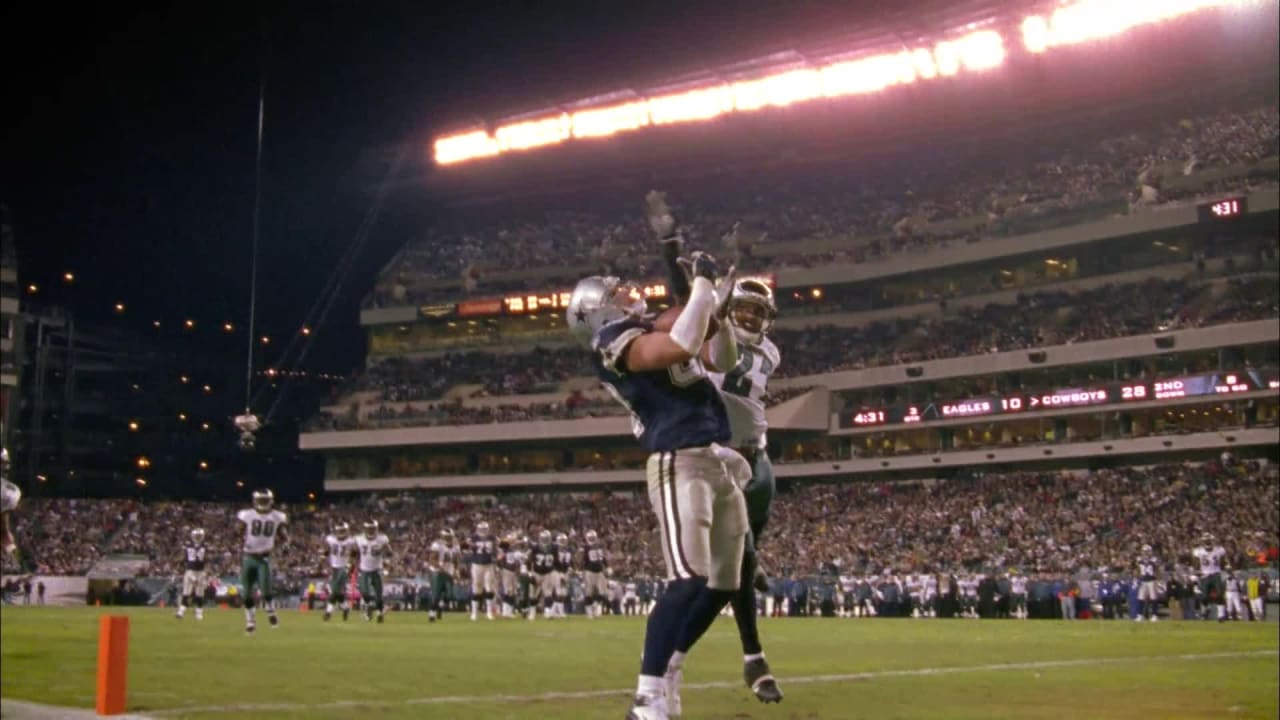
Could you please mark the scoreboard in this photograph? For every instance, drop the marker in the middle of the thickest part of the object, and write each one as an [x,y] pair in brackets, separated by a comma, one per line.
[1208,384]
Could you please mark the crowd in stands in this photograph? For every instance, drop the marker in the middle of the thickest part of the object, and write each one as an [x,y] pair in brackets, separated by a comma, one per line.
[1037,522]
[891,207]
[1034,319]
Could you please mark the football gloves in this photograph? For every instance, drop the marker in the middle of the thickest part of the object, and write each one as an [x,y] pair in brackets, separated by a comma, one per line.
[661,220]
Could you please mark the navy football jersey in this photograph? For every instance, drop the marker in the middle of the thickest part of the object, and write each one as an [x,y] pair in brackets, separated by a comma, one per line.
[564,559]
[195,557]
[482,550]
[593,559]
[544,559]
[675,408]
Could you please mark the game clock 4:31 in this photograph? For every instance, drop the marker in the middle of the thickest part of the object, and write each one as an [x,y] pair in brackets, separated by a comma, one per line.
[1221,210]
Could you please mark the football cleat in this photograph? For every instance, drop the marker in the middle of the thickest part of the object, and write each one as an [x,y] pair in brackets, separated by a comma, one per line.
[379,618]
[648,707]
[675,707]
[248,629]
[273,621]
[761,681]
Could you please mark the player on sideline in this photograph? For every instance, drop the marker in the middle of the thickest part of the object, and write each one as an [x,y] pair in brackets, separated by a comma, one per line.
[339,546]
[373,546]
[594,564]
[1210,555]
[483,575]
[10,495]
[263,527]
[1147,588]
[677,414]
[444,557]
[751,312]
[193,577]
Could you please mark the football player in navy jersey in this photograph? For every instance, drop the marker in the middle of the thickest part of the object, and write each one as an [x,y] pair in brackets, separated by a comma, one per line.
[679,417]
[751,310]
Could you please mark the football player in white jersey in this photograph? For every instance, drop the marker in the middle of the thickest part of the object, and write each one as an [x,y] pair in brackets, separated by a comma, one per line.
[374,547]
[263,528]
[10,495]
[1210,555]
[193,576]
[444,558]
[339,547]
[751,312]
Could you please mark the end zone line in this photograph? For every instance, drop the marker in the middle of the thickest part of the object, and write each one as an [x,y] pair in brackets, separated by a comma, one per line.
[784,680]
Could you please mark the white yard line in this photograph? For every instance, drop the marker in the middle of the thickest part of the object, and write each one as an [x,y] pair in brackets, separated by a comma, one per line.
[785,680]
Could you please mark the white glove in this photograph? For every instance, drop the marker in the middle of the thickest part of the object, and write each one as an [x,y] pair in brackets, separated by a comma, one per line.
[661,220]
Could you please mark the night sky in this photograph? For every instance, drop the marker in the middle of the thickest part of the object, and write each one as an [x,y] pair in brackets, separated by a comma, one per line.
[132,153]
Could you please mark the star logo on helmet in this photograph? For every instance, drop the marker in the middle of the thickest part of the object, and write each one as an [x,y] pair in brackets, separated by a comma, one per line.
[581,315]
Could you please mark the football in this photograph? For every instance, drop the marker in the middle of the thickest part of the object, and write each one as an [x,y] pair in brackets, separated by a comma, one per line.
[667,318]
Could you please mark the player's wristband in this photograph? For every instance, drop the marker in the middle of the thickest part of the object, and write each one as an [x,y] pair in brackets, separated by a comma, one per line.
[690,329]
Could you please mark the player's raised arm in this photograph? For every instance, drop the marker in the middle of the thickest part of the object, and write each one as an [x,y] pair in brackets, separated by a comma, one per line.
[660,350]
[665,226]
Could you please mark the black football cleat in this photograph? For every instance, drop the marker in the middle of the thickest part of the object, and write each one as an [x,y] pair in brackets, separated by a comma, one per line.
[761,681]
[326,617]
[379,618]
[275,621]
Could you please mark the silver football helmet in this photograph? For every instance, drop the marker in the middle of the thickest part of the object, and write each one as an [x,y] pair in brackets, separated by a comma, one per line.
[544,538]
[197,536]
[753,309]
[599,300]
[263,500]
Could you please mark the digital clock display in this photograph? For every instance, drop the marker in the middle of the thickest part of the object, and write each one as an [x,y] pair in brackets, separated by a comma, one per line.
[1225,209]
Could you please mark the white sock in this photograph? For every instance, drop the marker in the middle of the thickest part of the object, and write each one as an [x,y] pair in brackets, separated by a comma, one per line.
[750,658]
[249,615]
[328,608]
[651,686]
[677,661]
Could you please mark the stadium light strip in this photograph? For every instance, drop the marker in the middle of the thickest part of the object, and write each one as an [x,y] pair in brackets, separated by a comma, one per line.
[982,50]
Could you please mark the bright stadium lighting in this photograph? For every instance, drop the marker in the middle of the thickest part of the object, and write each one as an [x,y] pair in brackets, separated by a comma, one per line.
[700,104]
[1035,34]
[603,122]
[1095,20]
[533,133]
[467,146]
[778,90]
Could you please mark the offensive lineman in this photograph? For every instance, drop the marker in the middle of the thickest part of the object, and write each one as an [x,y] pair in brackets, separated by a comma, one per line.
[564,563]
[543,560]
[595,563]
[193,577]
[263,526]
[751,312]
[1210,555]
[679,417]
[374,547]
[483,575]
[444,557]
[340,546]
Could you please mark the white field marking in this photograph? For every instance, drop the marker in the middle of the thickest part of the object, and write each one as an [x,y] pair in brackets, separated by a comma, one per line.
[627,692]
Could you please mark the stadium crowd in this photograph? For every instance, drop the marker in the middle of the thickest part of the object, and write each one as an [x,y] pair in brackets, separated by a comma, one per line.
[1002,195]
[1032,320]
[1054,522]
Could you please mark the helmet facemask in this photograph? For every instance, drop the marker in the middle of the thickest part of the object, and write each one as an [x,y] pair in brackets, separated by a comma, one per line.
[752,310]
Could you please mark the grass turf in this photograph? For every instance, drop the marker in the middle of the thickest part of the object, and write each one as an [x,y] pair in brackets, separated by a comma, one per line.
[505,669]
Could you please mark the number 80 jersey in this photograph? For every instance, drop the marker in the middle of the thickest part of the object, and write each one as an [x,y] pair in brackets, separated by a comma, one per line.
[260,529]
[743,389]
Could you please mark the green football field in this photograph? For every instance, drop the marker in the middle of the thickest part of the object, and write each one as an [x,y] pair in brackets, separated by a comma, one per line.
[828,668]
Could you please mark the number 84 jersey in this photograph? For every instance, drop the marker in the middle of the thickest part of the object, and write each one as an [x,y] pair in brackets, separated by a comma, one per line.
[260,529]
[743,390]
